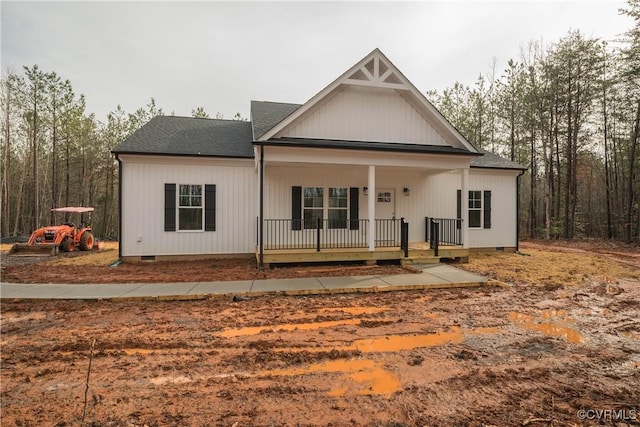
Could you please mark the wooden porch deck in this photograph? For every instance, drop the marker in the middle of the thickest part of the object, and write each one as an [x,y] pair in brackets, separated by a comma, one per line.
[419,252]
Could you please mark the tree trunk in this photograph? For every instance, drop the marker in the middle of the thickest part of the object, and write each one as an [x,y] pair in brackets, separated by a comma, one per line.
[67,177]
[54,160]
[547,158]
[532,196]
[556,137]
[630,187]
[568,173]
[34,148]
[6,162]
[607,174]
[17,224]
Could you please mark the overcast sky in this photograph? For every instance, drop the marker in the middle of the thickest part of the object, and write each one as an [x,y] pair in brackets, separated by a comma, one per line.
[221,55]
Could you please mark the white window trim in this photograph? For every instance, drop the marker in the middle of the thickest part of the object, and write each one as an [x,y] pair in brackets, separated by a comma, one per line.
[325,204]
[178,207]
[480,209]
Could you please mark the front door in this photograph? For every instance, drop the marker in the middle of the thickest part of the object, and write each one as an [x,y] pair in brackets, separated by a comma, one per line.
[385,203]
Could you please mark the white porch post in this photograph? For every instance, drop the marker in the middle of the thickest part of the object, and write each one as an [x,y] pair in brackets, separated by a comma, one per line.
[464,187]
[371,185]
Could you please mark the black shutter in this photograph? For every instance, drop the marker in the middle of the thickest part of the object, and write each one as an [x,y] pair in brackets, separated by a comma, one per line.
[354,224]
[169,207]
[458,208]
[487,209]
[210,207]
[296,208]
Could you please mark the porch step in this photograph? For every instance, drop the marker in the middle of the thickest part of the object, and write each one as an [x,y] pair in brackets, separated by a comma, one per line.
[427,256]
[420,260]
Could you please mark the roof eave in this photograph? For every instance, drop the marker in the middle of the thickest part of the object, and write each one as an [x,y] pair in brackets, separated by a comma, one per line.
[514,168]
[221,156]
[420,149]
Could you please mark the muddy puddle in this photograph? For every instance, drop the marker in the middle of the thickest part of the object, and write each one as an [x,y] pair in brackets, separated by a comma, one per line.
[255,330]
[360,376]
[367,377]
[552,323]
[134,351]
[363,376]
[400,342]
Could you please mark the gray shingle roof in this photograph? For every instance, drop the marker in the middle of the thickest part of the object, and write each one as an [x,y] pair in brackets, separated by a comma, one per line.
[189,136]
[493,161]
[265,115]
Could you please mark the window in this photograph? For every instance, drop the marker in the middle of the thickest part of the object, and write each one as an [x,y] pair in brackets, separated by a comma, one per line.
[337,215]
[190,207]
[313,206]
[320,203]
[384,197]
[475,209]
[479,208]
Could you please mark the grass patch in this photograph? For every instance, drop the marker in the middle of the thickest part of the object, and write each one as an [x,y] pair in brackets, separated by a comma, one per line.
[550,267]
[106,256]
[6,247]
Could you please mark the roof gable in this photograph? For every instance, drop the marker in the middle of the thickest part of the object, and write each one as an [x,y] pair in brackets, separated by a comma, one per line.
[376,75]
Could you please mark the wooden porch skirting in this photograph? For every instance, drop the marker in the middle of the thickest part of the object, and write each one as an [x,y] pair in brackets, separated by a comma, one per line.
[419,252]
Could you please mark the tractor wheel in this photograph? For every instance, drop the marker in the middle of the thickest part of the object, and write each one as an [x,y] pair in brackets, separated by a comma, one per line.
[86,241]
[68,245]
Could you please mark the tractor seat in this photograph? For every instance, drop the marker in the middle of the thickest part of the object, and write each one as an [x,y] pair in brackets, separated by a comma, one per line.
[70,224]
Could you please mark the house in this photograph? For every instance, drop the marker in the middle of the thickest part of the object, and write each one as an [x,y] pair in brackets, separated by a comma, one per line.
[366,169]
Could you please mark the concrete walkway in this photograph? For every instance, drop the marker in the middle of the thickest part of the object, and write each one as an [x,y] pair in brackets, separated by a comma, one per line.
[432,276]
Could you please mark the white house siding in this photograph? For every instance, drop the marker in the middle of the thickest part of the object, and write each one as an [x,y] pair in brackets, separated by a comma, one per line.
[143,205]
[279,180]
[366,114]
[441,203]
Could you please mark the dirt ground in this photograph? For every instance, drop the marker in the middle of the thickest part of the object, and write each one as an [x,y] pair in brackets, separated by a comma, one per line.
[94,267]
[555,343]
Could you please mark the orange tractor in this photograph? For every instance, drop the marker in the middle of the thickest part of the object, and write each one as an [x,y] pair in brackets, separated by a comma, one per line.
[51,239]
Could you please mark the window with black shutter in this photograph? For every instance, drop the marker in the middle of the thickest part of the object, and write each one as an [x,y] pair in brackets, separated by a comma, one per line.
[188,208]
[169,207]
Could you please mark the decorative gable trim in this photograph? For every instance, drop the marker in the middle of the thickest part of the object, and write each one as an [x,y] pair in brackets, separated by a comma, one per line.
[375,70]
[377,73]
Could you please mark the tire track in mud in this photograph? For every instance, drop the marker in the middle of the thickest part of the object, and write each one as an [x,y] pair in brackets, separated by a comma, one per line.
[156,363]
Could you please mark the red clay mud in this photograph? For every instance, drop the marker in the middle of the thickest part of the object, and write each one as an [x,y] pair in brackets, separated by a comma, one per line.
[531,354]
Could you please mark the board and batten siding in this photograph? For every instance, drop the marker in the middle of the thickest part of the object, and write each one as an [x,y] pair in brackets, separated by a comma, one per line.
[366,114]
[144,178]
[280,179]
[441,202]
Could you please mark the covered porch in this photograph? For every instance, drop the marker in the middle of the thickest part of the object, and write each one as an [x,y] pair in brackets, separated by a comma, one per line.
[443,239]
[319,205]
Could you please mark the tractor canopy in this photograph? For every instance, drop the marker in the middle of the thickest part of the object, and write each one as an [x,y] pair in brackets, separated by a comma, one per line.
[73,209]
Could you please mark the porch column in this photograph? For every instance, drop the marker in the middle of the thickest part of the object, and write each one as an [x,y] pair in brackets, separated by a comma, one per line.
[371,185]
[464,187]
[261,210]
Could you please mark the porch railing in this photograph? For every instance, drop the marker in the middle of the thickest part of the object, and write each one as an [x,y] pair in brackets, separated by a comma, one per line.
[443,231]
[387,233]
[330,234]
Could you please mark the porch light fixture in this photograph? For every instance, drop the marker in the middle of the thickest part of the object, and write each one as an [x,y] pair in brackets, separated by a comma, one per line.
[365,190]
[406,191]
